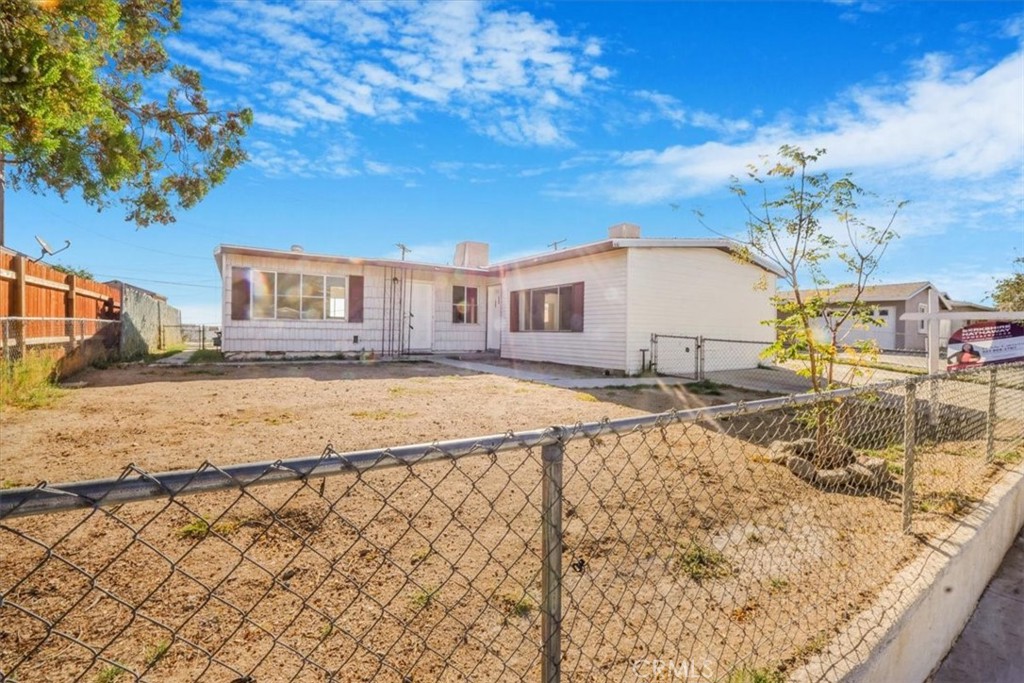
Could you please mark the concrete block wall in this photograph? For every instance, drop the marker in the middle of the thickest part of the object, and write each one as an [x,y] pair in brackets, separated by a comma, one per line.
[143,320]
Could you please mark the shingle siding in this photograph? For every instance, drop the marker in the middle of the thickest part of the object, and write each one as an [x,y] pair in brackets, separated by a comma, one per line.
[629,293]
[450,336]
[602,341]
[695,292]
[336,336]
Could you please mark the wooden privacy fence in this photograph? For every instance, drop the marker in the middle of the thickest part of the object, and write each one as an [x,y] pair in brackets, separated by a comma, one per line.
[70,318]
[35,290]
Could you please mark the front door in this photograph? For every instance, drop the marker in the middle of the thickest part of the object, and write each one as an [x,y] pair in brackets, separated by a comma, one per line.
[421,317]
[494,318]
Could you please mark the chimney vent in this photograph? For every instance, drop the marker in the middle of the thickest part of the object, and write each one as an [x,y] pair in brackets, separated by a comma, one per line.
[471,255]
[624,231]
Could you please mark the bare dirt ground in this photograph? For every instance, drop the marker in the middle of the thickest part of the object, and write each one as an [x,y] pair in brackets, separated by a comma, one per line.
[167,418]
[681,543]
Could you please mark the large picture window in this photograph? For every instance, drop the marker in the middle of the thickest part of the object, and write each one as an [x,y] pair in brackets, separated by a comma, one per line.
[269,295]
[547,309]
[464,304]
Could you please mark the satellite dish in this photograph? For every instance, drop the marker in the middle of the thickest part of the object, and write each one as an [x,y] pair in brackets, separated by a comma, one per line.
[48,250]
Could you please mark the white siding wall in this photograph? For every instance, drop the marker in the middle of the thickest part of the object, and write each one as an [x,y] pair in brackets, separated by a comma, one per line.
[696,292]
[303,336]
[602,342]
[449,336]
[335,336]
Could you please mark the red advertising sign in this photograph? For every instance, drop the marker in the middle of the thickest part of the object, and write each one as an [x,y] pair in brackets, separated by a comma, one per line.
[985,344]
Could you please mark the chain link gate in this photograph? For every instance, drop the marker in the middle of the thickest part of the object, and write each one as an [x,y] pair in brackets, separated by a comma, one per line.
[676,355]
[193,336]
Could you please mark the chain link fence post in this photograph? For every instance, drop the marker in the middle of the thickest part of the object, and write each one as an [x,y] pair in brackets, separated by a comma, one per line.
[654,353]
[552,456]
[698,358]
[990,421]
[909,438]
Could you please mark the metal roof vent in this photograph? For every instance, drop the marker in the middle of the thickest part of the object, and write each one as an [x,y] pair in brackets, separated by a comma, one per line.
[297,248]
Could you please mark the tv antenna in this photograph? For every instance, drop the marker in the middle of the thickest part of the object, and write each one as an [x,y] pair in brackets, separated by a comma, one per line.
[404,249]
[48,250]
[554,245]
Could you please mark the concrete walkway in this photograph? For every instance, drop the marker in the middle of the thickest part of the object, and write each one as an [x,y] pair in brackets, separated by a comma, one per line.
[778,380]
[557,380]
[180,358]
[991,647]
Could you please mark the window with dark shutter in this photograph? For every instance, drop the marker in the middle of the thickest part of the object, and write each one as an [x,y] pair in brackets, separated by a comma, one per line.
[513,311]
[355,298]
[270,295]
[576,317]
[240,293]
[547,309]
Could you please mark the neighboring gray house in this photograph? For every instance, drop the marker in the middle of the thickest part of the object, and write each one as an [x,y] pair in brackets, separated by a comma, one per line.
[890,301]
[596,304]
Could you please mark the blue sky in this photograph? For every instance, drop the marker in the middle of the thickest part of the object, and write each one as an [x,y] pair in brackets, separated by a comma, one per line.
[519,124]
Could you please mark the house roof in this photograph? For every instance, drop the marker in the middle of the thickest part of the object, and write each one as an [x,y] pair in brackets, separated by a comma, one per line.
[899,291]
[725,245]
[505,266]
[329,258]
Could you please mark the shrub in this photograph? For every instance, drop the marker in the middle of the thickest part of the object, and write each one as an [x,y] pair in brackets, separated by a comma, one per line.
[29,382]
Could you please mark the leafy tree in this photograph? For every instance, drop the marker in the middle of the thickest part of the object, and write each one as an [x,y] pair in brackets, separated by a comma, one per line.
[804,223]
[81,106]
[1009,292]
[71,270]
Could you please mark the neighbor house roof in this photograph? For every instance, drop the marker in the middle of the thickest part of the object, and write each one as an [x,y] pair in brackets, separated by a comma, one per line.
[968,306]
[899,291]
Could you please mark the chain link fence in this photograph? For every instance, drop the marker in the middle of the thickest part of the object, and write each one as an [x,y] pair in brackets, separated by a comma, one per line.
[193,336]
[72,343]
[725,544]
[724,361]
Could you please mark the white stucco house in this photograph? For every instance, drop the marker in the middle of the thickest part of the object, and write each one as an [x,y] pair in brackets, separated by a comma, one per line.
[595,305]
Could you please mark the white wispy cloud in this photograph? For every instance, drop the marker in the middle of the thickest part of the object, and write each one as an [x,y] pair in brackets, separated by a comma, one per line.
[282,124]
[282,160]
[507,73]
[668,108]
[380,168]
[942,123]
[208,58]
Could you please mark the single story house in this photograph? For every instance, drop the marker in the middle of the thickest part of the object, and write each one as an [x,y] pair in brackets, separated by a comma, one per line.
[595,305]
[890,302]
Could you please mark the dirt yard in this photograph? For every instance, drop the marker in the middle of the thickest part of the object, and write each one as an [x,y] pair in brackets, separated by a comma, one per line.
[167,418]
[681,543]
